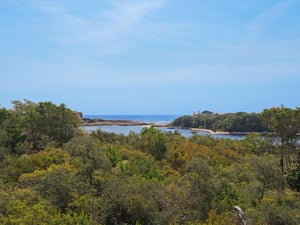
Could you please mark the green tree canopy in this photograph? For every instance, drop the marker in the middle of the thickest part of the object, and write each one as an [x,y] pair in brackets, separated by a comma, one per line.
[285,125]
[232,122]
[33,126]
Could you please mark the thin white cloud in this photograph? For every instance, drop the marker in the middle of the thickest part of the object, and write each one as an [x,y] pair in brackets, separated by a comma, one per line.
[108,29]
[125,14]
[269,16]
[105,29]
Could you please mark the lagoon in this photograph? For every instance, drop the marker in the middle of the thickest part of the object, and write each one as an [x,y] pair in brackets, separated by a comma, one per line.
[153,119]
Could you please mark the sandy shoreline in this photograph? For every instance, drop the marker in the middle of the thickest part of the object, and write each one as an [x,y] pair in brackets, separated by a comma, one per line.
[211,131]
[221,132]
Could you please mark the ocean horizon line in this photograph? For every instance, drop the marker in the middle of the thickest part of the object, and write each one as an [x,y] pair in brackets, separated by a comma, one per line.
[125,114]
[163,118]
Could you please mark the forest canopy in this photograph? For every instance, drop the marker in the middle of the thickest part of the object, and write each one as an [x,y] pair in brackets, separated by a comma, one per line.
[52,172]
[231,122]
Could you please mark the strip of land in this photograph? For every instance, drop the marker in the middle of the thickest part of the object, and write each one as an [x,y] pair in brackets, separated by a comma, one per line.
[213,132]
[100,122]
[222,132]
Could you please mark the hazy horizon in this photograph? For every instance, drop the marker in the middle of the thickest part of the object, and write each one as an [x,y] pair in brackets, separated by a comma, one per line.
[150,57]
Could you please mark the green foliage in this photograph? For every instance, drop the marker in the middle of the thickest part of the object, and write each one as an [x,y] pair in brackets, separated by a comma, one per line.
[109,137]
[13,167]
[283,121]
[141,166]
[258,144]
[149,177]
[275,210]
[232,122]
[10,130]
[113,155]
[267,174]
[285,125]
[132,201]
[293,175]
[35,126]
[46,121]
[200,187]
[184,121]
[22,206]
[56,185]
[153,141]
[89,155]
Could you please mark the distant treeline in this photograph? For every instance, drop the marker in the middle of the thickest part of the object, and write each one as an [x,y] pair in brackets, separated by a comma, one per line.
[231,122]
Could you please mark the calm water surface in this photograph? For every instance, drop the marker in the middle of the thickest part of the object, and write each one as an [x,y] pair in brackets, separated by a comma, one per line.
[157,119]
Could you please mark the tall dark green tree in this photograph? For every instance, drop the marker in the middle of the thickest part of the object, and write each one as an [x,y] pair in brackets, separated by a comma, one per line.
[284,123]
[10,130]
[153,141]
[45,122]
[90,154]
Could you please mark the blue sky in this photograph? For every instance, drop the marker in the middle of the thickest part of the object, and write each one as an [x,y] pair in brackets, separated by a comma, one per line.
[151,56]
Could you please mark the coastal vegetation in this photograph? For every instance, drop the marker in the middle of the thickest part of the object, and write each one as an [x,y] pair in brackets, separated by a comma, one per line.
[230,122]
[52,172]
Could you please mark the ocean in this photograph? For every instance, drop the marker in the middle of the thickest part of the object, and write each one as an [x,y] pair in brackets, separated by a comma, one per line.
[156,119]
